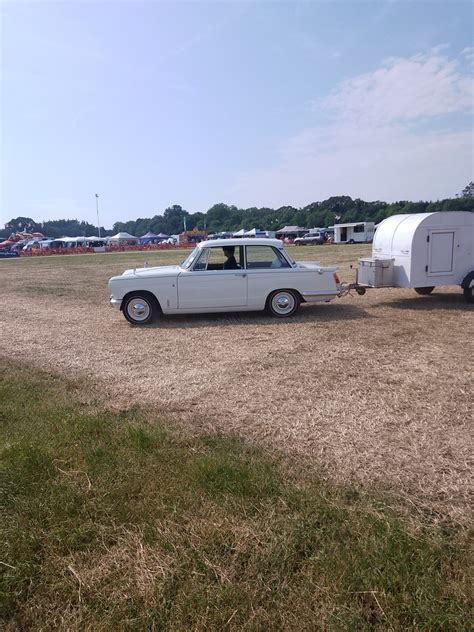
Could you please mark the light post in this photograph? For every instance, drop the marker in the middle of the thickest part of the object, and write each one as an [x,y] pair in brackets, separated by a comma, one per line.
[97,207]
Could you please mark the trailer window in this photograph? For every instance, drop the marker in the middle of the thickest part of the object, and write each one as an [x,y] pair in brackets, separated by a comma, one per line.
[359,228]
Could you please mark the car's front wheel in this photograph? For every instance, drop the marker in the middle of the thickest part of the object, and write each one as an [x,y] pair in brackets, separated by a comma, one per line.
[139,309]
[283,303]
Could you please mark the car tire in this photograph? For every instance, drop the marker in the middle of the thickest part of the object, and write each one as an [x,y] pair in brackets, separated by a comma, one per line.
[468,292]
[283,303]
[140,308]
[424,291]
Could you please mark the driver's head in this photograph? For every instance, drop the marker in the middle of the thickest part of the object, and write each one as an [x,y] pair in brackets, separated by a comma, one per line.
[229,251]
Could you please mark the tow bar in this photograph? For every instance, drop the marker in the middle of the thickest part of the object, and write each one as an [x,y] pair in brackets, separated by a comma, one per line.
[346,288]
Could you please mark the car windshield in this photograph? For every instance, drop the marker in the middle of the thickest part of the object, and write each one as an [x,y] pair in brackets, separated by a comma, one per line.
[188,262]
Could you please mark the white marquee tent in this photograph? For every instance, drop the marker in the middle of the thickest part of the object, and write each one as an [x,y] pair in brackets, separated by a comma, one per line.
[123,238]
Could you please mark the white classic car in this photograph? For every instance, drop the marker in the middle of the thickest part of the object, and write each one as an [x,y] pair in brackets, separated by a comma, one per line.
[224,275]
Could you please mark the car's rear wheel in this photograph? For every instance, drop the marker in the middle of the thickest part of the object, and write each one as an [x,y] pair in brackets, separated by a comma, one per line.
[140,309]
[283,303]
[424,291]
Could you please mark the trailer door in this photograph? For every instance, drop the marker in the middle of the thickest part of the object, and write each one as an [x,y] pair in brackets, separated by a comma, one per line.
[441,253]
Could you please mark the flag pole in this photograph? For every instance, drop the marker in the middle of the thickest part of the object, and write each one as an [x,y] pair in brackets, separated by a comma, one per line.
[97,207]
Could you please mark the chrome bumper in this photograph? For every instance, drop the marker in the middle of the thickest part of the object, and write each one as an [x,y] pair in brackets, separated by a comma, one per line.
[115,302]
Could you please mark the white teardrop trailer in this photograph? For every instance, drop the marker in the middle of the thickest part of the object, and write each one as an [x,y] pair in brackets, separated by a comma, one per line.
[421,251]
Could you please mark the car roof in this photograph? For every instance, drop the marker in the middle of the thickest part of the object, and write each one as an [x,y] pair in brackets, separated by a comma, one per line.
[249,241]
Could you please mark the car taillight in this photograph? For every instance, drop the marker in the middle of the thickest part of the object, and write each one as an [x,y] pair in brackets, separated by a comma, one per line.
[336,278]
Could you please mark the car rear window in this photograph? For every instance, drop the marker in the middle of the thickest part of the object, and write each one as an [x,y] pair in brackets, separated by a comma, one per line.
[265,257]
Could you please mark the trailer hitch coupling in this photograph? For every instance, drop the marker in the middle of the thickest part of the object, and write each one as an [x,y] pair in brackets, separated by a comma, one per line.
[346,288]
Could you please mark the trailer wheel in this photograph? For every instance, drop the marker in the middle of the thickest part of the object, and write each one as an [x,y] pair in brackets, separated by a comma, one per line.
[424,291]
[468,287]
[351,241]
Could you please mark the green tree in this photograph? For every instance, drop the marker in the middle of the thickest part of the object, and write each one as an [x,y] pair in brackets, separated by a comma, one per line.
[22,224]
[142,226]
[174,219]
[468,191]
[69,228]
[218,217]
[157,224]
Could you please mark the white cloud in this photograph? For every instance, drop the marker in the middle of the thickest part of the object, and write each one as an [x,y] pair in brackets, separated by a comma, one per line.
[388,165]
[404,89]
[468,53]
[372,148]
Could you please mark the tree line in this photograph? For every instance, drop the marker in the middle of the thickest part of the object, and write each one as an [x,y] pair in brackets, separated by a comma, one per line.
[53,228]
[224,217]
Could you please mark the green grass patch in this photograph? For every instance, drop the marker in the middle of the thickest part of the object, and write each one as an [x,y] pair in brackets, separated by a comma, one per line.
[111,521]
[219,474]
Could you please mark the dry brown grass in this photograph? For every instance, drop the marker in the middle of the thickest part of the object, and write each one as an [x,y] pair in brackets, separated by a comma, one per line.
[375,390]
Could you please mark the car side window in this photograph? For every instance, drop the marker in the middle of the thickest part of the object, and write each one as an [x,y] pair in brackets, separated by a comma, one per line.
[264,257]
[215,259]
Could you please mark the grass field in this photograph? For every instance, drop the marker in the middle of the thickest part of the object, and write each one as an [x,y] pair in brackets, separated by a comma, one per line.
[373,390]
[232,472]
[112,521]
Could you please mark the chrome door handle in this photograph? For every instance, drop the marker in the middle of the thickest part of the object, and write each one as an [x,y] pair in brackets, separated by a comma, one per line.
[241,275]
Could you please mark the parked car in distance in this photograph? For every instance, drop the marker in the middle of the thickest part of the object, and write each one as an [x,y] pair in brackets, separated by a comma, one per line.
[224,275]
[314,239]
[8,254]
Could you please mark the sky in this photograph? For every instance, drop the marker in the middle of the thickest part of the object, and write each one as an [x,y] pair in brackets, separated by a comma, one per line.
[151,104]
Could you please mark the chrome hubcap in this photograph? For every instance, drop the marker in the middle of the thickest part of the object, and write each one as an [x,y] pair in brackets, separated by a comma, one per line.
[138,309]
[283,303]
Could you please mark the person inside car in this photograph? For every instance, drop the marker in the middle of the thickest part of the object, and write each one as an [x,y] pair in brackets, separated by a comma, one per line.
[231,263]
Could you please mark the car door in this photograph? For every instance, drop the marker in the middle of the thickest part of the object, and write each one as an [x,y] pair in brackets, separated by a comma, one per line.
[207,286]
[267,270]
